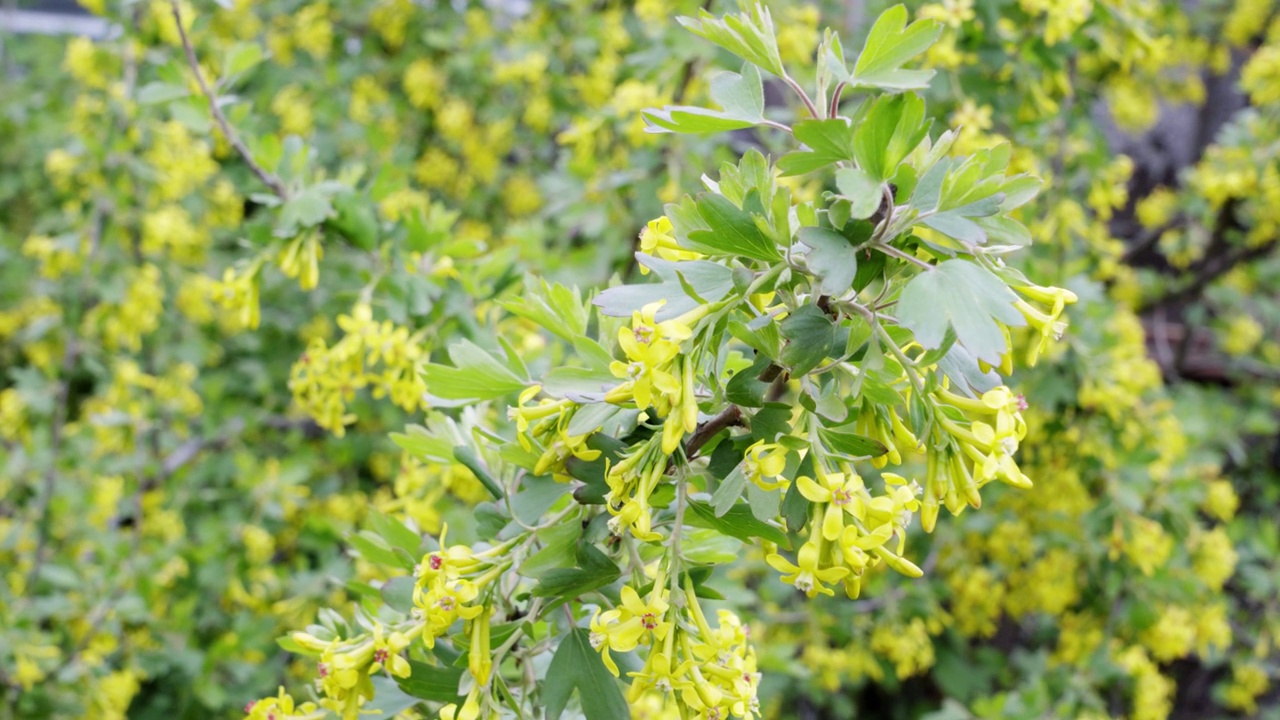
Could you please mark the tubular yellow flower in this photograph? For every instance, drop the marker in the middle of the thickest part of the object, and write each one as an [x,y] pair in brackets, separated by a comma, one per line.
[807,576]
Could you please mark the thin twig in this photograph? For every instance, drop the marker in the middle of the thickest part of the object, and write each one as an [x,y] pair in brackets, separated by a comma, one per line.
[271,181]
[1209,271]
[728,417]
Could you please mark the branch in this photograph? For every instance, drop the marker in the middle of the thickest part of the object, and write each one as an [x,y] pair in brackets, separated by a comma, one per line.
[1208,271]
[271,181]
[728,417]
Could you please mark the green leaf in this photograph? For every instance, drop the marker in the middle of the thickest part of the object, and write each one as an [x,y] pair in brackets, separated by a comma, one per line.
[892,128]
[771,422]
[966,297]
[711,281]
[740,95]
[356,219]
[691,120]
[425,230]
[746,390]
[729,490]
[890,44]
[810,338]
[307,209]
[477,375]
[395,532]
[154,93]
[832,258]
[240,58]
[555,307]
[1004,231]
[536,496]
[863,192]
[749,35]
[829,141]
[577,666]
[737,522]
[845,443]
[795,508]
[397,593]
[420,442]
[558,542]
[730,231]
[764,504]
[376,550]
[438,684]
[595,571]
[710,547]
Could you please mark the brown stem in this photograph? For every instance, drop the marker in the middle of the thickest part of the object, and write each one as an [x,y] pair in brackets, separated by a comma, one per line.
[728,417]
[270,180]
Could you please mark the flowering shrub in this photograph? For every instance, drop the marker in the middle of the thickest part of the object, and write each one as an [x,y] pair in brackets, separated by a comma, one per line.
[244,243]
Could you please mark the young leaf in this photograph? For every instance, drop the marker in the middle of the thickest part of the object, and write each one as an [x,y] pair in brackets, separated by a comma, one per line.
[828,141]
[965,296]
[730,231]
[892,128]
[749,35]
[890,44]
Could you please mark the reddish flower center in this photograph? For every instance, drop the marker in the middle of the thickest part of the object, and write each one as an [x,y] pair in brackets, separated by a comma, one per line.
[380,655]
[322,669]
[436,561]
[649,620]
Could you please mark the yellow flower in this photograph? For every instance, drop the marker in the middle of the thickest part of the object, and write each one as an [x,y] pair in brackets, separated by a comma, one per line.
[1220,500]
[658,239]
[807,576]
[386,652]
[280,707]
[840,495]
[659,674]
[651,347]
[610,632]
[444,604]
[764,461]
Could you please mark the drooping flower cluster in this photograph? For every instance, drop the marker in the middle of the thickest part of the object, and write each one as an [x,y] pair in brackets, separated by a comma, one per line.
[373,354]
